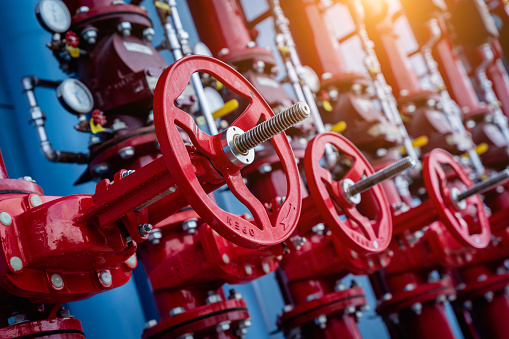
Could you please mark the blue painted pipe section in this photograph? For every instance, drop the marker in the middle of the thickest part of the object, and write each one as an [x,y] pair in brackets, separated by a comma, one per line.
[114,314]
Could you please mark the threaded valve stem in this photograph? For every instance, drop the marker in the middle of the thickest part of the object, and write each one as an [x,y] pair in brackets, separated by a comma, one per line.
[272,127]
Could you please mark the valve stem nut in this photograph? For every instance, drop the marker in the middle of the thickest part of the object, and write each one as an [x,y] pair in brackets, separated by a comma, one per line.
[144,229]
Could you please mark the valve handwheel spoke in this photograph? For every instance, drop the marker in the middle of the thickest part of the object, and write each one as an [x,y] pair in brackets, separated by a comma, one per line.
[358,231]
[450,214]
[267,230]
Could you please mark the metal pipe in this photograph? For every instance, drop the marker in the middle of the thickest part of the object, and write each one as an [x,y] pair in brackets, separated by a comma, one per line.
[383,91]
[488,93]
[295,70]
[37,118]
[178,42]
[451,110]
[484,186]
[380,176]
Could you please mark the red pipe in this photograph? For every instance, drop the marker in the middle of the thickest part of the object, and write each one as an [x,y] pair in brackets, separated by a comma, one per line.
[394,61]
[313,40]
[498,76]
[221,26]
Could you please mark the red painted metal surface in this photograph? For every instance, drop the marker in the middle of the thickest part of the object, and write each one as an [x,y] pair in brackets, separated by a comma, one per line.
[57,328]
[221,26]
[268,229]
[470,226]
[186,267]
[359,232]
[395,64]
[313,40]
[498,76]
[475,230]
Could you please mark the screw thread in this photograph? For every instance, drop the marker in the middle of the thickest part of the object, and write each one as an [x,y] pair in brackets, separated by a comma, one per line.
[272,127]
[384,174]
[485,185]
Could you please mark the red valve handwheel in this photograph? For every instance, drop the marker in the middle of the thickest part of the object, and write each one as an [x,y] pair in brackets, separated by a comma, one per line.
[357,232]
[268,228]
[439,192]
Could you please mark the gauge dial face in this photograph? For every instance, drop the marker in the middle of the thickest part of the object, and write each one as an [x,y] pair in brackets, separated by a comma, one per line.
[53,15]
[214,99]
[75,96]
[201,49]
[311,79]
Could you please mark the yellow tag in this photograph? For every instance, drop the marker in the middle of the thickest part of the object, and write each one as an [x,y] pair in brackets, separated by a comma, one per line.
[417,143]
[339,127]
[95,128]
[227,108]
[162,5]
[374,70]
[283,49]
[219,85]
[75,51]
[480,149]
[327,106]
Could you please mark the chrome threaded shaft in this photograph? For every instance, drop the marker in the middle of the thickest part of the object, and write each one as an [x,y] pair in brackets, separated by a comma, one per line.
[272,127]
[484,186]
[384,174]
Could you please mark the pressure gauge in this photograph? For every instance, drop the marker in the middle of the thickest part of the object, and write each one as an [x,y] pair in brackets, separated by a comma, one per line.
[201,49]
[214,99]
[53,15]
[310,78]
[75,96]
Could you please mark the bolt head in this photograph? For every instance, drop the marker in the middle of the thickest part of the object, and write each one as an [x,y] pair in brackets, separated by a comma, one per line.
[265,168]
[224,326]
[148,34]
[287,308]
[213,298]
[90,35]
[321,321]
[144,229]
[248,269]
[57,281]
[155,236]
[82,9]
[234,294]
[489,296]
[132,261]
[101,168]
[387,296]
[190,226]
[16,264]
[409,287]
[149,324]
[105,278]
[126,152]
[266,268]
[417,308]
[35,200]
[176,311]
[339,287]
[5,219]
[125,28]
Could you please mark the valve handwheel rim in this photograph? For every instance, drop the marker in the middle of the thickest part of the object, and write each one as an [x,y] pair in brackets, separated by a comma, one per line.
[375,235]
[435,180]
[268,228]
